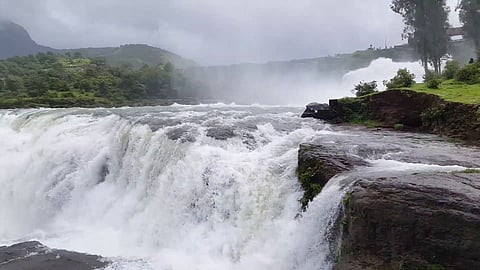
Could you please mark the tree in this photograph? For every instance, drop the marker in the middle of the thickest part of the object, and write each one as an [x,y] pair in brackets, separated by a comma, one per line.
[168,67]
[451,69]
[13,83]
[365,88]
[469,13]
[426,24]
[403,79]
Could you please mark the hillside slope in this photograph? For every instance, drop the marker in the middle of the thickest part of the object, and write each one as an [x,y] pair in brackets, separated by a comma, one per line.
[16,41]
[136,55]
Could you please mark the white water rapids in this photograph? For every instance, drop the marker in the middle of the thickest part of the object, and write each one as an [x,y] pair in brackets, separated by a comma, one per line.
[149,189]
[111,182]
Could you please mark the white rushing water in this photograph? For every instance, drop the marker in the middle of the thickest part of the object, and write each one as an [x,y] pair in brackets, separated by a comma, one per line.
[113,183]
[150,189]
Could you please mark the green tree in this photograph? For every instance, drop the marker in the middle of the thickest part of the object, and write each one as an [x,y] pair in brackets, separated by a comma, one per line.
[426,24]
[365,88]
[168,67]
[13,83]
[403,79]
[451,69]
[469,13]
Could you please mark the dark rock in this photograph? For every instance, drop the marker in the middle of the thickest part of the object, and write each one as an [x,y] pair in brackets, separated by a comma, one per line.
[182,134]
[220,133]
[318,111]
[318,163]
[414,111]
[418,221]
[35,256]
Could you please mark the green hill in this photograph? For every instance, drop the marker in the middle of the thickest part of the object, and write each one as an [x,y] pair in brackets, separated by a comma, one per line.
[136,55]
[16,41]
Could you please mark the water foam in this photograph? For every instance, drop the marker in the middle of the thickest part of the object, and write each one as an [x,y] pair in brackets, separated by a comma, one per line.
[108,183]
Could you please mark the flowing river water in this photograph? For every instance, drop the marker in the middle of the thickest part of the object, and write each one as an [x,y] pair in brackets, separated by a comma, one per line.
[186,187]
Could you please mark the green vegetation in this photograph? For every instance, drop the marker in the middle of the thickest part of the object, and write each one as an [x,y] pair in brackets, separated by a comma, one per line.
[432,79]
[398,127]
[134,55]
[355,112]
[426,24]
[472,170]
[451,90]
[311,189]
[52,80]
[365,88]
[451,69]
[461,86]
[470,17]
[403,79]
[435,267]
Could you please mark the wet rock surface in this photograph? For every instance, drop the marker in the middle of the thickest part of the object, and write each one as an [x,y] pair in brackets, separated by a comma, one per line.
[221,133]
[318,110]
[35,256]
[413,221]
[397,214]
[318,163]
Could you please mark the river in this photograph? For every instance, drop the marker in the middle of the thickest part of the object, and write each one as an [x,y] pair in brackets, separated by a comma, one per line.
[186,187]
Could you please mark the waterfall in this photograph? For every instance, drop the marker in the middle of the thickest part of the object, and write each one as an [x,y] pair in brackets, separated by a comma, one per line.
[152,188]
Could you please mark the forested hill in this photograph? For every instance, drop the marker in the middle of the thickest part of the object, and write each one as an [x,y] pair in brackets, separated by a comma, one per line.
[135,55]
[16,41]
[51,80]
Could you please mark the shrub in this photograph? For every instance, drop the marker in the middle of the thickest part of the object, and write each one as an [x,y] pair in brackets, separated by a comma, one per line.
[451,69]
[431,79]
[398,127]
[403,79]
[469,74]
[365,88]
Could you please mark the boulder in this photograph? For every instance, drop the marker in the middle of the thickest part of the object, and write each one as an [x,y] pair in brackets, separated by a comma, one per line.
[221,133]
[318,163]
[416,221]
[35,256]
[318,111]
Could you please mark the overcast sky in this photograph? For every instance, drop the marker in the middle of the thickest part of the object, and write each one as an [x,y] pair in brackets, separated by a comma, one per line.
[213,31]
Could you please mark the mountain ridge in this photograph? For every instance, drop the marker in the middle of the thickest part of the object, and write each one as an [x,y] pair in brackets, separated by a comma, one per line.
[16,41]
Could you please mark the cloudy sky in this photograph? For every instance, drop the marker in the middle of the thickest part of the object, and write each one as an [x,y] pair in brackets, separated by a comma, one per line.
[213,31]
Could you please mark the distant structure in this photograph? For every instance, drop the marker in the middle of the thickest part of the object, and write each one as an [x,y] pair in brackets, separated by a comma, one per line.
[455,32]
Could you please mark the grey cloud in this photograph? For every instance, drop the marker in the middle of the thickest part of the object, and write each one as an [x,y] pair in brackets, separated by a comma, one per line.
[212,31]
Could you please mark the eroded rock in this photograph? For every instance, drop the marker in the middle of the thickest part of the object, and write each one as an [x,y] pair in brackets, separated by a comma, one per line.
[318,163]
[317,110]
[417,221]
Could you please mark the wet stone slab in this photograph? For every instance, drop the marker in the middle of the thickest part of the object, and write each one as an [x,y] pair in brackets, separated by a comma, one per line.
[35,256]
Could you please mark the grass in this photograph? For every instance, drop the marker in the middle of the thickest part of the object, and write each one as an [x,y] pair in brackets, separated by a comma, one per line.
[471,171]
[451,90]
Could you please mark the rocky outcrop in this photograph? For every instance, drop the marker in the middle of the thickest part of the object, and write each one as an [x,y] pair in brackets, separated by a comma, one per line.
[397,219]
[35,256]
[318,163]
[418,221]
[221,133]
[410,110]
[318,110]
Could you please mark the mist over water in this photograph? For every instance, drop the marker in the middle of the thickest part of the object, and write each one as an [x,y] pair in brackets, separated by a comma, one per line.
[380,70]
[293,84]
